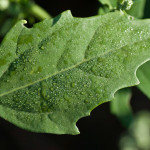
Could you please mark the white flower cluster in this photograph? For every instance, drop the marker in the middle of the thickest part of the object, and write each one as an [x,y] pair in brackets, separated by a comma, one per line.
[126,4]
[129,4]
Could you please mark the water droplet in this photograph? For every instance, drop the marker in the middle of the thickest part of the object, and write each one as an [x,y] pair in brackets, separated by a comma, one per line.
[98,90]
[42,47]
[39,69]
[44,92]
[94,69]
[67,77]
[83,93]
[21,78]
[130,17]
[51,89]
[27,92]
[73,84]
[99,59]
[66,97]
[86,101]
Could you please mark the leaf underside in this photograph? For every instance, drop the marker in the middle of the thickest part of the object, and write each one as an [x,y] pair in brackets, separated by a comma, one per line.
[56,72]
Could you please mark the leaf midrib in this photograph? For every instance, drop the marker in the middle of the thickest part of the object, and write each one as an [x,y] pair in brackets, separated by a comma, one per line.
[84,60]
[64,70]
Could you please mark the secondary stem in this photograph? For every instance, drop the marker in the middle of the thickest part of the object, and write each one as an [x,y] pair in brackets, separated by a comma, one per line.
[39,12]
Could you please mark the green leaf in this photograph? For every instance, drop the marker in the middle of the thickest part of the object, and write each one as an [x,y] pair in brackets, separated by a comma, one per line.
[143,74]
[117,4]
[8,47]
[111,4]
[103,10]
[62,68]
[137,137]
[121,108]
[137,9]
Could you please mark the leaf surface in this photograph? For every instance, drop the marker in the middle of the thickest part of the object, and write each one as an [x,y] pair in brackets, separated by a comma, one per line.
[62,68]
[9,46]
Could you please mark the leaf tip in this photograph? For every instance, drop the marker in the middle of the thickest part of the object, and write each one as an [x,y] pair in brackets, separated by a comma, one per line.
[67,13]
[76,131]
[24,21]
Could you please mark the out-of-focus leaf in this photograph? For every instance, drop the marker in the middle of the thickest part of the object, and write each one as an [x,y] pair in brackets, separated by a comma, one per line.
[138,136]
[4,28]
[112,4]
[137,9]
[121,108]
[143,74]
[103,10]
[18,10]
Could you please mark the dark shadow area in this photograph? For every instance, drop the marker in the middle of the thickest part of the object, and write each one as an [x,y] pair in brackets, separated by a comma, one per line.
[56,19]
[139,101]
[79,8]
[147,9]
[100,131]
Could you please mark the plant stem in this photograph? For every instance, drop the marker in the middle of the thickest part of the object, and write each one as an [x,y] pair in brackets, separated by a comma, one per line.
[39,12]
